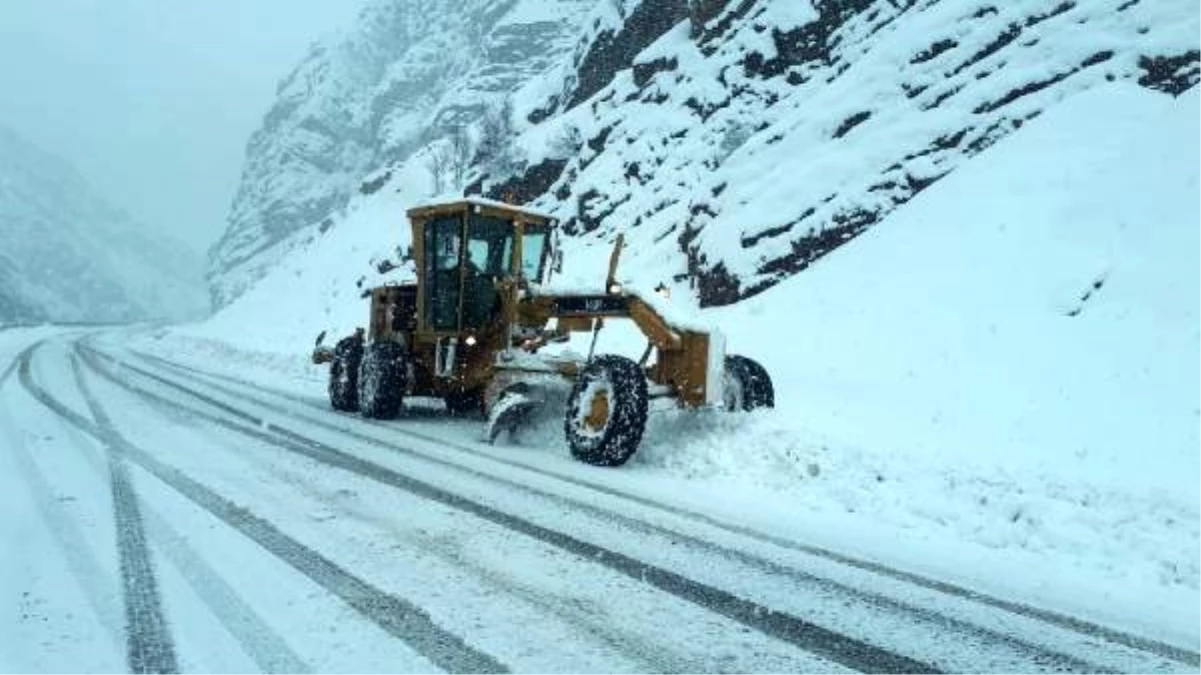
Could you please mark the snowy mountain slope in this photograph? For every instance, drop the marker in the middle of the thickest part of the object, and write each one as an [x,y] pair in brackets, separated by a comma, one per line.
[1030,327]
[69,256]
[713,161]
[749,147]
[737,183]
[1060,327]
[741,141]
[999,376]
[410,71]
[1104,194]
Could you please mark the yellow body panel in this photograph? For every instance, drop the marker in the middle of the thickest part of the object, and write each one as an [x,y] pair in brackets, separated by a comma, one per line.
[520,324]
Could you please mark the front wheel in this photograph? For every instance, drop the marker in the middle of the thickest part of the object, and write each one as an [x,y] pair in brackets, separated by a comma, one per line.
[382,380]
[606,412]
[747,385]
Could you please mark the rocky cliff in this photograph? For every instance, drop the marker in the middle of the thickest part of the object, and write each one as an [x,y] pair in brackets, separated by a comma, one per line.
[735,142]
[409,73]
[754,136]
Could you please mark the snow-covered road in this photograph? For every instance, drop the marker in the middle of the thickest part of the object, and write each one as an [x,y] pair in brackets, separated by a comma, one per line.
[161,517]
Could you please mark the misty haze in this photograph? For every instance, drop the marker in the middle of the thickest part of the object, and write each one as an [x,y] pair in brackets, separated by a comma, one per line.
[600,336]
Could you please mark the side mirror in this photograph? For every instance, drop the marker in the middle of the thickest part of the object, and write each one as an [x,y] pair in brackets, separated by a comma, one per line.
[320,353]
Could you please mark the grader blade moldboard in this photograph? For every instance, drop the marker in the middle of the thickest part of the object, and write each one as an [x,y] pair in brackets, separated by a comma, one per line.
[513,413]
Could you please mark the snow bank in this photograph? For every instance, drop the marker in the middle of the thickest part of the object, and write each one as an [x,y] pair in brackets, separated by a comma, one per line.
[1037,311]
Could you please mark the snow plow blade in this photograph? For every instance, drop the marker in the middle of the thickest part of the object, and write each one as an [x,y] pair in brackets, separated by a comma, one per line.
[511,414]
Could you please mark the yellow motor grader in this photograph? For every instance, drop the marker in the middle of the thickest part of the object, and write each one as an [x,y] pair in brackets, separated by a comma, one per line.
[472,331]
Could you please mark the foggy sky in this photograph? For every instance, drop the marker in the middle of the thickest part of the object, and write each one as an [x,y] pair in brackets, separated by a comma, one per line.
[153,100]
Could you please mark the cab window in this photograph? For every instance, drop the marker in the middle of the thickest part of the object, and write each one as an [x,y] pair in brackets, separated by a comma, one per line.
[489,258]
[533,253]
[490,245]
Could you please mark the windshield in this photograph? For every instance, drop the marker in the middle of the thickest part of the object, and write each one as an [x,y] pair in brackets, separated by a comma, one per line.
[533,251]
[490,245]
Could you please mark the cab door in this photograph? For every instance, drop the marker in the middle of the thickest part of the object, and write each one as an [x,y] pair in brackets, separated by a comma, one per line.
[443,273]
[488,260]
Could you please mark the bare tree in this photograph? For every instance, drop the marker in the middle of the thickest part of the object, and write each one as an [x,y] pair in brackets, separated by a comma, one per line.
[460,151]
[495,150]
[438,163]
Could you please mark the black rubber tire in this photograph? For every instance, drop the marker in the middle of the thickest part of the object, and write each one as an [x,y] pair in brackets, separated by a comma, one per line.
[618,439]
[344,375]
[382,380]
[756,390]
[465,404]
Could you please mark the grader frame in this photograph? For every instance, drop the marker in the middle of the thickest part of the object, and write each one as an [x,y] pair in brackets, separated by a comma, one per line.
[472,328]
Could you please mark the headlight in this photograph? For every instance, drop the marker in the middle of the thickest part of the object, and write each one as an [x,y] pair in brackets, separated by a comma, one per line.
[470,341]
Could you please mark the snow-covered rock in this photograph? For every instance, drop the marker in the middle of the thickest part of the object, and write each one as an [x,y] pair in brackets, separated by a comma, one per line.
[733,142]
[1043,314]
[737,150]
[67,255]
[408,73]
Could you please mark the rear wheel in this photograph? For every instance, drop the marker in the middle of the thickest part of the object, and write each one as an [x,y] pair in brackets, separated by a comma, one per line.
[382,380]
[606,412]
[344,375]
[747,385]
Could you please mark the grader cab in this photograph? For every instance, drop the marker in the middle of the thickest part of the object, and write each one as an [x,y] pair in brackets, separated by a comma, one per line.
[473,330]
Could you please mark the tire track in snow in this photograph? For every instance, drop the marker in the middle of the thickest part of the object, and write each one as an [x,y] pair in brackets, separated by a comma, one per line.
[848,651]
[589,619]
[1071,623]
[401,619]
[12,367]
[268,650]
[96,583]
[644,654]
[149,647]
[9,371]
[1044,655]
